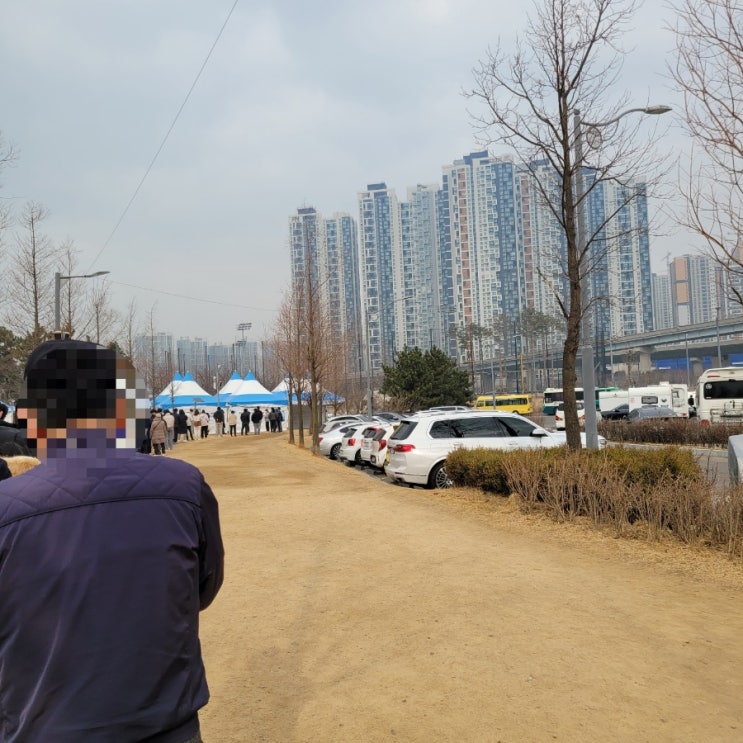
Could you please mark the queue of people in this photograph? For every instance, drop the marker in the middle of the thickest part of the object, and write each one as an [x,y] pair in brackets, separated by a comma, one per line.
[166,428]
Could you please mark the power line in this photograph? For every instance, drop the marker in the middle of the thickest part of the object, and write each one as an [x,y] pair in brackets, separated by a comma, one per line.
[167,135]
[195,299]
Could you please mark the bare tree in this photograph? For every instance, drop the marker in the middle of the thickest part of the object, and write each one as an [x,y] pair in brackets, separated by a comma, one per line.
[288,347]
[535,101]
[708,69]
[128,330]
[72,292]
[103,317]
[7,157]
[31,276]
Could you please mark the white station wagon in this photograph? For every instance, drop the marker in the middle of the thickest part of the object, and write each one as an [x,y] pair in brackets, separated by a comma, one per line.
[419,447]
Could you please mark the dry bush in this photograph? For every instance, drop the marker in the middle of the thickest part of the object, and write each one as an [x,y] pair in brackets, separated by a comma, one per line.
[679,431]
[658,492]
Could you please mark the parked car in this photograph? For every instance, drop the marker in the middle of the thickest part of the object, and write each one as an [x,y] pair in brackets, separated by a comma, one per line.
[350,451]
[389,416]
[340,420]
[380,448]
[619,413]
[366,442]
[330,441]
[560,416]
[419,447]
[651,412]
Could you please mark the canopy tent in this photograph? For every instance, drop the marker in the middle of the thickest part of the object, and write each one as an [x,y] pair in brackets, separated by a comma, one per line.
[329,398]
[230,386]
[252,392]
[184,392]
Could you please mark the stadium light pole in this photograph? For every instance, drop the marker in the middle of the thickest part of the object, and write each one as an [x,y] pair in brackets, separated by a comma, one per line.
[58,278]
[587,361]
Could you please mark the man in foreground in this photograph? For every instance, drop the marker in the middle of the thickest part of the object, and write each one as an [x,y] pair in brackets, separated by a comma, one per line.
[107,558]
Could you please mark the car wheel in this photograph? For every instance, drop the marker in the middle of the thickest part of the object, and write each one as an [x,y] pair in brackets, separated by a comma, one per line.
[438,479]
[357,459]
[334,451]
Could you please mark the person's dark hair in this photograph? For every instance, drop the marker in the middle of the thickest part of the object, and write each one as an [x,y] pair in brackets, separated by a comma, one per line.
[3,410]
[68,379]
[11,449]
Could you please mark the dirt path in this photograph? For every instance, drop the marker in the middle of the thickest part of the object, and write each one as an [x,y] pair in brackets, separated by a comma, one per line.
[354,610]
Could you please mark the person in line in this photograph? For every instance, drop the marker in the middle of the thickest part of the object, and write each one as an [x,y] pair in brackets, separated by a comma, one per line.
[204,418]
[181,425]
[197,423]
[122,550]
[256,418]
[279,419]
[190,420]
[219,421]
[245,420]
[232,422]
[272,420]
[158,433]
[169,419]
[10,432]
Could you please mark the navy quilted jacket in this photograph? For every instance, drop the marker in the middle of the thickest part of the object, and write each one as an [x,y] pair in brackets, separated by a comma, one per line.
[104,567]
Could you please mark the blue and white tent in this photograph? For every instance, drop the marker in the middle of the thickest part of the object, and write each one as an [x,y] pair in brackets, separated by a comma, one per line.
[184,392]
[250,392]
[232,384]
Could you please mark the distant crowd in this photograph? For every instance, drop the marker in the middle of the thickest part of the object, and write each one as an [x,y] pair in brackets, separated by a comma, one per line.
[166,428]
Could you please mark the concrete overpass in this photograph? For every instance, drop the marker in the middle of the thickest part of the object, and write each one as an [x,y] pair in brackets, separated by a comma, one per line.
[685,349]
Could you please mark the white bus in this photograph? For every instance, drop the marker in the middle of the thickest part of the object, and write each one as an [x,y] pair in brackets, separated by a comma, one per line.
[720,395]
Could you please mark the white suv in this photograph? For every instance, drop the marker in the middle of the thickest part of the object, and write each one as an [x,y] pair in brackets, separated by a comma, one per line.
[419,447]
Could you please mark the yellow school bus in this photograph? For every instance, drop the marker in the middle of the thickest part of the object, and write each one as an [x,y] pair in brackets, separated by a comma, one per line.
[511,403]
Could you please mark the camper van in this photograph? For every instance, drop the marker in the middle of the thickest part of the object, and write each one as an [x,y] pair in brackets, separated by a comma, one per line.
[720,395]
[675,396]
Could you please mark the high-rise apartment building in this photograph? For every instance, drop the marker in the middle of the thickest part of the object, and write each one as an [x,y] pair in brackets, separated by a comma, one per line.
[379,266]
[662,304]
[325,258]
[475,252]
[695,283]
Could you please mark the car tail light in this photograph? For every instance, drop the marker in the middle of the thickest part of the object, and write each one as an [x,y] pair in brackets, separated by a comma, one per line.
[382,444]
[319,439]
[402,448]
[352,442]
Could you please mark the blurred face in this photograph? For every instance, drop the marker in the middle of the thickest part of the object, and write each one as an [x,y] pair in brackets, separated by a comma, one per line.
[85,401]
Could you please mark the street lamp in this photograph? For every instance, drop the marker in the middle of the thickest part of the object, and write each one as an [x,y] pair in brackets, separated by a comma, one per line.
[57,292]
[242,327]
[587,363]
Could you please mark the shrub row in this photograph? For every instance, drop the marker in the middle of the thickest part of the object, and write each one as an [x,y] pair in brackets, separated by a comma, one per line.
[662,490]
[687,431]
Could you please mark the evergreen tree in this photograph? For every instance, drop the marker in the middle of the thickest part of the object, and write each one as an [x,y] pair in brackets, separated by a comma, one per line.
[424,379]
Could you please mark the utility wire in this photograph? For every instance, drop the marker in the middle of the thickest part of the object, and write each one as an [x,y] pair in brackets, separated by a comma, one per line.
[193,299]
[165,138]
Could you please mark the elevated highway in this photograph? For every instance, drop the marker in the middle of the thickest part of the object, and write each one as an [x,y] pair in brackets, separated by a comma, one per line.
[687,349]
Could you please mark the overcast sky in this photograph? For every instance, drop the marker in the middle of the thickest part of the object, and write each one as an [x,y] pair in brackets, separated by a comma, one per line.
[300,104]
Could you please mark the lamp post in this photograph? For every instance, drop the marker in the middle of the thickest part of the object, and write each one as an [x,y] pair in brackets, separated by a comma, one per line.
[587,362]
[57,294]
[719,348]
[242,327]
[369,392]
